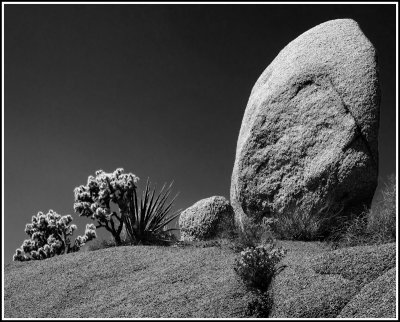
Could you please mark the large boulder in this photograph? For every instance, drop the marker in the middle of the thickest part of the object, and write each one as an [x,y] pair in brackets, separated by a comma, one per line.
[206,219]
[309,135]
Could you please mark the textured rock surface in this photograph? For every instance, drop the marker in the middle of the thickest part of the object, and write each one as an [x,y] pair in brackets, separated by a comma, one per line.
[309,132]
[375,300]
[318,283]
[127,283]
[206,219]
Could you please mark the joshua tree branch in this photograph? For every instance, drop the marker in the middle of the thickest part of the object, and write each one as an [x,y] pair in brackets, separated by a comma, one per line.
[105,225]
[121,224]
[112,225]
[64,241]
[116,216]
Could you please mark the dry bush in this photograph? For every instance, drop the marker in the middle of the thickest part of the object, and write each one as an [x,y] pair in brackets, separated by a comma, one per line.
[307,226]
[373,226]
[382,218]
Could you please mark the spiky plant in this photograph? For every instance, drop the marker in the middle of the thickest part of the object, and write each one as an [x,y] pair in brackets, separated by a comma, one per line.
[147,218]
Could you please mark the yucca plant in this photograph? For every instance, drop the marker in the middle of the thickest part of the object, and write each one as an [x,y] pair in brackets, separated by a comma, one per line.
[146,219]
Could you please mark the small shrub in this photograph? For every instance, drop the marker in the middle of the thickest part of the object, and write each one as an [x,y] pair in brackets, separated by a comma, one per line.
[257,265]
[50,235]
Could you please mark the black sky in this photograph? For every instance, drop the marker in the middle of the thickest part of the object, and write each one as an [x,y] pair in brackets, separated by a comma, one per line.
[159,90]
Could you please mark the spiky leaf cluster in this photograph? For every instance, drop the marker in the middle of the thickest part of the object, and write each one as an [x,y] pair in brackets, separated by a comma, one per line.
[148,217]
[50,235]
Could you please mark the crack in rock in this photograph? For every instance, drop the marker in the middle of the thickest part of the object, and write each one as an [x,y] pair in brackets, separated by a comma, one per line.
[359,133]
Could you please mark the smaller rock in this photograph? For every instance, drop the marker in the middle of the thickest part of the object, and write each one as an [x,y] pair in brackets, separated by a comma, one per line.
[206,219]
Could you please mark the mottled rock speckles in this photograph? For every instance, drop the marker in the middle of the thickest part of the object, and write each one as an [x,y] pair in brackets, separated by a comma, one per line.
[206,219]
[309,132]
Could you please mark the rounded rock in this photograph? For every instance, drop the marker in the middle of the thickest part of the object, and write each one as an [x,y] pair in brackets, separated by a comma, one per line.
[206,219]
[309,135]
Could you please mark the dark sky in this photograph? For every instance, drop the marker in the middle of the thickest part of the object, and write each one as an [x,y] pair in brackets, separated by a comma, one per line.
[159,90]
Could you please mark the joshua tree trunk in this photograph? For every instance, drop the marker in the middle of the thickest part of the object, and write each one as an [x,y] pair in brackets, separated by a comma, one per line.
[117,239]
[110,226]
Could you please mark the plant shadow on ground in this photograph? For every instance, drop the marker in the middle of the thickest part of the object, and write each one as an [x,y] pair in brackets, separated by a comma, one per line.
[160,239]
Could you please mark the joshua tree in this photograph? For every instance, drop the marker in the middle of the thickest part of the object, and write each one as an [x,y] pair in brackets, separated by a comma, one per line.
[49,236]
[94,200]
